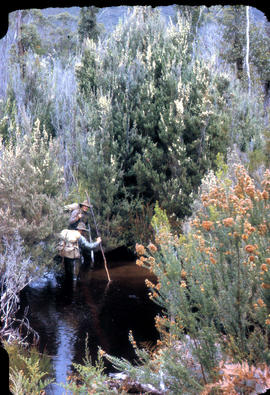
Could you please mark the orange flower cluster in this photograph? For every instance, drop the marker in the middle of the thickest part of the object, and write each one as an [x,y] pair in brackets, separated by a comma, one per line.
[234,208]
[195,223]
[261,303]
[241,197]
[264,267]
[228,222]
[216,197]
[265,195]
[207,225]
[251,248]
[101,352]
[266,181]
[132,340]
[161,324]
[149,283]
[183,274]
[265,286]
[152,248]
[164,238]
[245,185]
[183,284]
[240,212]
[141,261]
[200,240]
[151,260]
[262,229]
[248,228]
[140,249]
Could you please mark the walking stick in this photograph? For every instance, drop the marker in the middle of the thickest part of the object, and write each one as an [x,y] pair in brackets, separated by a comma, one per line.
[90,239]
[98,234]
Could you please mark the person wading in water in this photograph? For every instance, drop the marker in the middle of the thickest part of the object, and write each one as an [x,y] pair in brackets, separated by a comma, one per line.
[71,247]
[80,214]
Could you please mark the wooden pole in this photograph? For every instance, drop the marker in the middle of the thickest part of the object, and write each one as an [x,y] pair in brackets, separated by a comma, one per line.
[98,234]
[90,239]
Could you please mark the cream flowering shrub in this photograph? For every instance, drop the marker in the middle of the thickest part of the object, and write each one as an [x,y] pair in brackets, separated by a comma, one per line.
[31,184]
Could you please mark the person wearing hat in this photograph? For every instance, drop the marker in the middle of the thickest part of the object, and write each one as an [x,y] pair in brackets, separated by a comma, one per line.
[72,246]
[79,215]
[83,243]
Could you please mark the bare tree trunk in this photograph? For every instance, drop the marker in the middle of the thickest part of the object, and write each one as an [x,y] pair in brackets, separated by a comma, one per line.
[247,49]
[266,86]
[195,33]
[20,45]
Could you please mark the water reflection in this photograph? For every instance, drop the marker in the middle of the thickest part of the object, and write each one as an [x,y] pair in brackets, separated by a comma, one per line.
[64,314]
[62,361]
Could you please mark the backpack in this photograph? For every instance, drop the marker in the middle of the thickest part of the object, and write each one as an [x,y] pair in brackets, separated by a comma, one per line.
[68,246]
[71,207]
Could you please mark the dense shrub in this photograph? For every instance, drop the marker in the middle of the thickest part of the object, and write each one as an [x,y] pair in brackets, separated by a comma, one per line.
[30,192]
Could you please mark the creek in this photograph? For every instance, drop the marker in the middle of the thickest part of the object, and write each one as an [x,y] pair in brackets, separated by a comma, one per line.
[64,313]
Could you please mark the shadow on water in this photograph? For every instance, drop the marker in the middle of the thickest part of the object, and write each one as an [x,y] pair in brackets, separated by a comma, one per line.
[64,313]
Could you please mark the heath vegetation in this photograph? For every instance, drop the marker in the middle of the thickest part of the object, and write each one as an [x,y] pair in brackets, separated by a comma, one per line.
[166,124]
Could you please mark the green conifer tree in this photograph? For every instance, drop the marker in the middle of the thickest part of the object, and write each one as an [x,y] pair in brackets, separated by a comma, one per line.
[163,108]
[87,27]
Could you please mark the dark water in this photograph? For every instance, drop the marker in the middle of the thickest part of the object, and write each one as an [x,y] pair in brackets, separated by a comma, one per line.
[64,312]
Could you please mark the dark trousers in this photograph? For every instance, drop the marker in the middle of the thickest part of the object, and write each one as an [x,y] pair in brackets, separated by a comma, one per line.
[72,267]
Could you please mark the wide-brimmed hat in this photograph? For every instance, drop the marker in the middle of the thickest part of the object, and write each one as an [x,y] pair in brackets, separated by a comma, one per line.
[81,226]
[85,203]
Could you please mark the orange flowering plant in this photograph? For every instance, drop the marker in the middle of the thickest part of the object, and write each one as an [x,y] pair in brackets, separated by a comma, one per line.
[235,254]
[213,282]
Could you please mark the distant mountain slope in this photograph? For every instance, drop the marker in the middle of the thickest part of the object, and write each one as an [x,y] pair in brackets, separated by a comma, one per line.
[108,16]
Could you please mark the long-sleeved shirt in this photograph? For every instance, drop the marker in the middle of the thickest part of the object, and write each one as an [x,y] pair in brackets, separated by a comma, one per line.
[74,218]
[85,245]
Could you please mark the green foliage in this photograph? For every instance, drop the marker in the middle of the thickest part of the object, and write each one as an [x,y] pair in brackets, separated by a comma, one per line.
[233,19]
[30,39]
[159,112]
[63,42]
[29,370]
[222,166]
[89,377]
[160,220]
[151,112]
[139,224]
[260,156]
[246,116]
[31,187]
[87,26]
[152,117]
[260,53]
[101,177]
[86,72]
[196,16]
[7,118]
